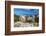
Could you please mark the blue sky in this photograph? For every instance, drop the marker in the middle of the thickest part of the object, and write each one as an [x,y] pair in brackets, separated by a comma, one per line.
[26,11]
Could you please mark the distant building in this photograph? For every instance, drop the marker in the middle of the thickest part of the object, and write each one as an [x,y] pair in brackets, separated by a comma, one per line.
[22,18]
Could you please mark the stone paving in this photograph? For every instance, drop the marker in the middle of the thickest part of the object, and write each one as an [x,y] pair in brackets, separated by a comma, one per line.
[21,24]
